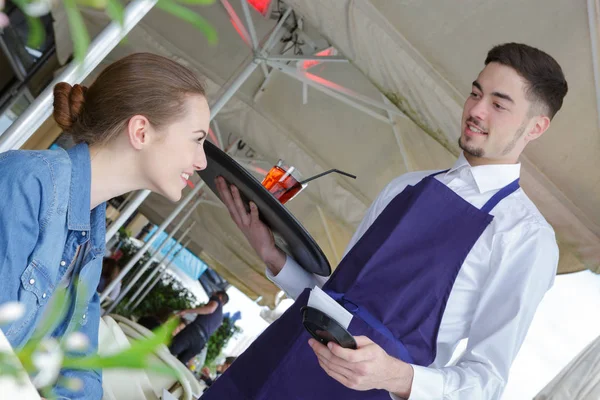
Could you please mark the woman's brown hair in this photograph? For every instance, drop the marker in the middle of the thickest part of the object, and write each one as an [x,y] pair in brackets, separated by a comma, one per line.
[139,84]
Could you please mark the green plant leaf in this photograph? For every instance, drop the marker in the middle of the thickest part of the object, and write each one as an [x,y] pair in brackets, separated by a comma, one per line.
[97,4]
[36,33]
[8,366]
[191,17]
[135,357]
[55,313]
[116,11]
[79,33]
[219,340]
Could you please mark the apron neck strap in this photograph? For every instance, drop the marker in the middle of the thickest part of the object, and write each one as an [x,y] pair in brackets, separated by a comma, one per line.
[437,173]
[497,198]
[500,195]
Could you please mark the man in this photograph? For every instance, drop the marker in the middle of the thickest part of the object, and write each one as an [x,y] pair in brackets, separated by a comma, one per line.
[191,340]
[439,257]
[205,373]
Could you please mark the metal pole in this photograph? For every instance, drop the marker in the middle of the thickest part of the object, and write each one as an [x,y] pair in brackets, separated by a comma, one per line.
[41,108]
[235,85]
[156,252]
[328,233]
[339,92]
[237,22]
[161,270]
[126,213]
[127,200]
[162,259]
[148,290]
[306,58]
[250,24]
[218,133]
[272,39]
[397,136]
[147,264]
[252,32]
[151,240]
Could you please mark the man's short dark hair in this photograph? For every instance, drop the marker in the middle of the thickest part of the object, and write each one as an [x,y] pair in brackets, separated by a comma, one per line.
[109,265]
[223,296]
[545,79]
[229,360]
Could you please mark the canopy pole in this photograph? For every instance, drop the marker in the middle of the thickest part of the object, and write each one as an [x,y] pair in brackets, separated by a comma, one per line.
[159,263]
[41,108]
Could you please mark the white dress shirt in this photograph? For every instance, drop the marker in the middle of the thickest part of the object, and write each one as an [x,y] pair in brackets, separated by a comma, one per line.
[495,295]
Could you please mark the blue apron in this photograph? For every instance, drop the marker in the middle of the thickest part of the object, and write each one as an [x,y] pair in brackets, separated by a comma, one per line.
[396,282]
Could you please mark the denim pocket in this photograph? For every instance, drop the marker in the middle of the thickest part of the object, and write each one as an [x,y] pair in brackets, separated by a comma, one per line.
[35,292]
[35,279]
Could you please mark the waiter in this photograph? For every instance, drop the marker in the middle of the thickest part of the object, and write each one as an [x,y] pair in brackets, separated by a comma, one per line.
[439,257]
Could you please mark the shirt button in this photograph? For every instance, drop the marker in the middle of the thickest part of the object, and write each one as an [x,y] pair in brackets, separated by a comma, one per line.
[63,263]
[31,281]
[44,296]
[82,233]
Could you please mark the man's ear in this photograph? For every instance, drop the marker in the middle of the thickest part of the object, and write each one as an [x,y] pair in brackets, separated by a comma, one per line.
[541,125]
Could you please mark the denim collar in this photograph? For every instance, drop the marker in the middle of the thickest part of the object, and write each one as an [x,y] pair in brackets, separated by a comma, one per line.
[79,216]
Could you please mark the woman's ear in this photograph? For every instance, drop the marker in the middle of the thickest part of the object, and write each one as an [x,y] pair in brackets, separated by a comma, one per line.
[137,131]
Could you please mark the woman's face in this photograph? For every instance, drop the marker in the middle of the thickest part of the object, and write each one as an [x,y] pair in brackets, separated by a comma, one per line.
[179,152]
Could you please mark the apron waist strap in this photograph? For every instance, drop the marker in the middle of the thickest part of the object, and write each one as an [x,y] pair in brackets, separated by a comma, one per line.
[366,316]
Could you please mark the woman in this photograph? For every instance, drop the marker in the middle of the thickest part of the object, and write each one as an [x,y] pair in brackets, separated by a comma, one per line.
[140,125]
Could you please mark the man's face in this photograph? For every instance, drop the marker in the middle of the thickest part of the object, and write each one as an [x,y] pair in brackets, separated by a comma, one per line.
[496,120]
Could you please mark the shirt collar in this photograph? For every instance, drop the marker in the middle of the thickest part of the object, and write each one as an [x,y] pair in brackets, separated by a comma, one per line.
[79,217]
[488,177]
[78,214]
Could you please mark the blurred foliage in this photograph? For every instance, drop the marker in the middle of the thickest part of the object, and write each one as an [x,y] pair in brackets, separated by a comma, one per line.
[219,340]
[115,10]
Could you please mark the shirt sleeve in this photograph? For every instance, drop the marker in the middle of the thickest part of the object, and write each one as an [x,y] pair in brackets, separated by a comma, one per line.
[25,180]
[522,269]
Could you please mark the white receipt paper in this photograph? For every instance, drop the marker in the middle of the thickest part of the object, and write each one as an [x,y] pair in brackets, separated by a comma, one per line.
[322,301]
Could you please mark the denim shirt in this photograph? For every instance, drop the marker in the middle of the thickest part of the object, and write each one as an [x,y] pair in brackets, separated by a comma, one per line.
[44,218]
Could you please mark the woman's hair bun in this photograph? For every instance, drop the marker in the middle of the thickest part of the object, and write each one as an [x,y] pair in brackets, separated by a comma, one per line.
[68,104]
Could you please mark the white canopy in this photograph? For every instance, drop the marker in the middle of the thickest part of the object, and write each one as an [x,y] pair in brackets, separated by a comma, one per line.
[580,379]
[423,57]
